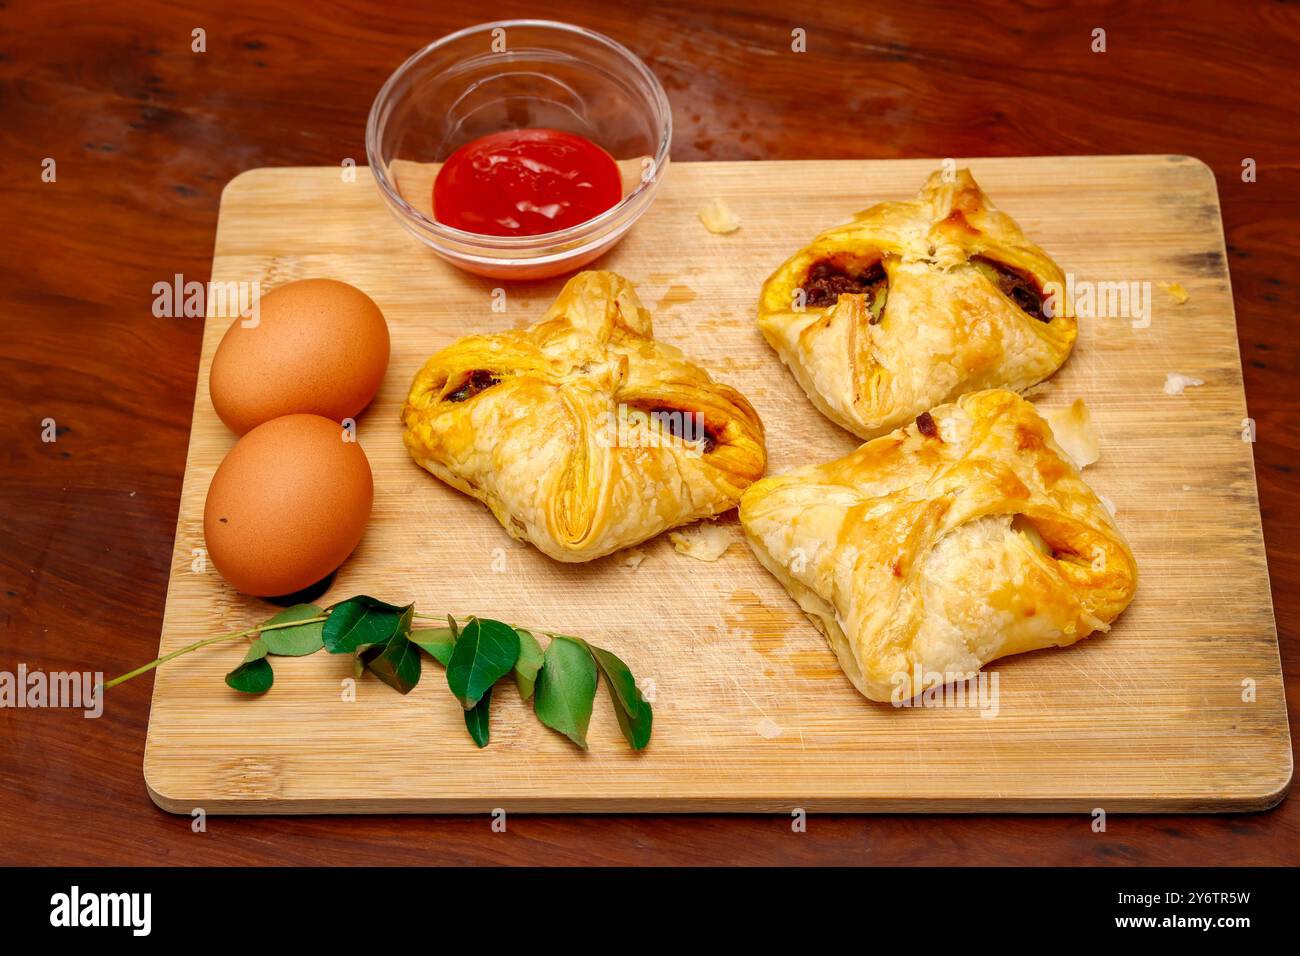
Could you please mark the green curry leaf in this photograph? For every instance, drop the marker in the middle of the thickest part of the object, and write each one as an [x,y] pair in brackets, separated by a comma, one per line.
[484,653]
[476,718]
[296,641]
[359,621]
[566,688]
[529,663]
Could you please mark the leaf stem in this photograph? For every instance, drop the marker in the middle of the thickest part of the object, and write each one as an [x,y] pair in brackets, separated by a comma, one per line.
[443,619]
[205,642]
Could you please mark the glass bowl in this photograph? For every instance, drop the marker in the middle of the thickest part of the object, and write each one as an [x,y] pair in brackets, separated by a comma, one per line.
[515,74]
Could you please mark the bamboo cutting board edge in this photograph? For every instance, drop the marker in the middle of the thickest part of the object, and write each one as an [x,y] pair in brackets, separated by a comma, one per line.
[161,775]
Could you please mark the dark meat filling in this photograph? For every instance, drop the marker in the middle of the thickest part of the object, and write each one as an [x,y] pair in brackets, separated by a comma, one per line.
[827,280]
[685,426]
[1016,286]
[479,380]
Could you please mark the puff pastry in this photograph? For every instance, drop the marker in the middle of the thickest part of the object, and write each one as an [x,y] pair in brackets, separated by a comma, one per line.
[582,433]
[914,303]
[961,538]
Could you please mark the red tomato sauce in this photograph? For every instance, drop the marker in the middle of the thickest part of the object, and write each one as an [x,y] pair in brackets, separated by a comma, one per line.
[525,182]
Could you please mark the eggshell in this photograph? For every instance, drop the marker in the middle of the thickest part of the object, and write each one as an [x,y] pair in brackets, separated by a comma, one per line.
[318,347]
[287,505]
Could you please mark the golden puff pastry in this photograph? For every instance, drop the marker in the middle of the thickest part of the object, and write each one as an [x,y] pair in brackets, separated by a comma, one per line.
[926,553]
[582,433]
[914,303]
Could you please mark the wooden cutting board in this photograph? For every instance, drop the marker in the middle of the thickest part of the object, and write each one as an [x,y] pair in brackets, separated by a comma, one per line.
[751,710]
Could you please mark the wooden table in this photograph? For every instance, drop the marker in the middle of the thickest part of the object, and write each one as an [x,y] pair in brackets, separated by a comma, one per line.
[144,133]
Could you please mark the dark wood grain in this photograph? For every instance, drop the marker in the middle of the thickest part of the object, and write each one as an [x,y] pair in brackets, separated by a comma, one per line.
[145,133]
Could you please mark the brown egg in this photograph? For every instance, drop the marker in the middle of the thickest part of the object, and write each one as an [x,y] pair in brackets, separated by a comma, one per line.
[287,506]
[318,347]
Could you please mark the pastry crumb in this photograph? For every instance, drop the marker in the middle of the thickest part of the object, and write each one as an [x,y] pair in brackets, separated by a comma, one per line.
[632,558]
[704,542]
[1107,504]
[718,218]
[1073,431]
[768,728]
[1176,382]
[1175,292]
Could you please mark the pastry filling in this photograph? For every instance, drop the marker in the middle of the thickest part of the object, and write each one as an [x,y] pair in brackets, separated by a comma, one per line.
[687,427]
[1015,285]
[926,426]
[827,280]
[478,380]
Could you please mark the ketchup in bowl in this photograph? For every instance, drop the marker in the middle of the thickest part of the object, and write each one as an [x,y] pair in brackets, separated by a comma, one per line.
[525,182]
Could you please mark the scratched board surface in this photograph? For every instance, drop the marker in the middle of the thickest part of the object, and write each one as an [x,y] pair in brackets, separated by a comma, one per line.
[1179,707]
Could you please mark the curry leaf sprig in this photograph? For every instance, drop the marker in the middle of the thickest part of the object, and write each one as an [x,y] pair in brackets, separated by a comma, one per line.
[560,679]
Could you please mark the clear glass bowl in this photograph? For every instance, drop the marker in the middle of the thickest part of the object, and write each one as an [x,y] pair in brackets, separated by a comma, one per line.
[515,74]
